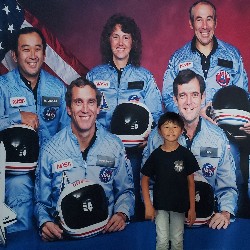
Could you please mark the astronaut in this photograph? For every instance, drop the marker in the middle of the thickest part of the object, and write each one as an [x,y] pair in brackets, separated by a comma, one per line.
[83,150]
[30,96]
[121,79]
[207,142]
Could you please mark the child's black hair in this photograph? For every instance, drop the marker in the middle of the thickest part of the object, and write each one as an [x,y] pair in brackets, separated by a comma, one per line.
[171,117]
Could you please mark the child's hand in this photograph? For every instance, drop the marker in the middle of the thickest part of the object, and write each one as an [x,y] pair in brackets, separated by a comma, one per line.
[149,213]
[191,217]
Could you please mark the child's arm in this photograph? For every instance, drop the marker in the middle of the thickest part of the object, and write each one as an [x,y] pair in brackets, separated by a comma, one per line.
[149,209]
[191,188]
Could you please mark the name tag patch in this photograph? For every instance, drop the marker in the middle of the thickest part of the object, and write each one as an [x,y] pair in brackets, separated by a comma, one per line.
[136,85]
[105,161]
[62,165]
[18,101]
[209,152]
[50,101]
[225,63]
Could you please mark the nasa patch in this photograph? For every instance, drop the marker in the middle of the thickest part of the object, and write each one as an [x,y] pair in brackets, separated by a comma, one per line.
[49,113]
[101,84]
[208,170]
[105,175]
[223,78]
[134,98]
[18,101]
[186,65]
[62,165]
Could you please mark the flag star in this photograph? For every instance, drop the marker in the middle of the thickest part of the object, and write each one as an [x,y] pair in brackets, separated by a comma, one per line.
[11,28]
[18,8]
[6,9]
[1,45]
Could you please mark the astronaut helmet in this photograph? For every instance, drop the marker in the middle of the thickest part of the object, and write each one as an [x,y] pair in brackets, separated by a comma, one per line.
[131,122]
[83,209]
[231,110]
[21,143]
[204,201]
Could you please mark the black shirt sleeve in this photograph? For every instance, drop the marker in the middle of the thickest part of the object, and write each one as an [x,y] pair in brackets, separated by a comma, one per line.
[148,168]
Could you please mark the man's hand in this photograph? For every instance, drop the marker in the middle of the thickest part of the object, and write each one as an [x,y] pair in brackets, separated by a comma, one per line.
[116,223]
[246,128]
[220,220]
[29,119]
[203,113]
[51,231]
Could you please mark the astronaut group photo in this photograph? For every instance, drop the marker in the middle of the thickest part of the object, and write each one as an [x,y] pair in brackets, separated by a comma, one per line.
[85,152]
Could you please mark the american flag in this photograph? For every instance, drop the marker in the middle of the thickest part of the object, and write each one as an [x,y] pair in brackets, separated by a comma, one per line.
[59,61]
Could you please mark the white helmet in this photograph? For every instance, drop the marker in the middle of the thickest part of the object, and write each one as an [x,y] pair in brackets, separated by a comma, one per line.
[83,209]
[131,122]
[21,143]
[231,110]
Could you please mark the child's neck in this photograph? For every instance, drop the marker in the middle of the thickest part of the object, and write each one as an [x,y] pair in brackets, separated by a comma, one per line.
[170,146]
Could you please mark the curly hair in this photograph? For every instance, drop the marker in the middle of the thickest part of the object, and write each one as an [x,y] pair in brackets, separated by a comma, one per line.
[129,26]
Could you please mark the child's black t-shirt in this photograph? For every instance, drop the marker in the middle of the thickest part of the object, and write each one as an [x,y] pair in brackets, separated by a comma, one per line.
[170,171]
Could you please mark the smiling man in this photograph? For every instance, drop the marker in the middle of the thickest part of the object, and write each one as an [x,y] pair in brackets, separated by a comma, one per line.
[94,154]
[207,142]
[30,96]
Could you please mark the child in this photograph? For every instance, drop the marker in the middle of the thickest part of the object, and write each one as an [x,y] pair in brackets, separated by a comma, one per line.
[172,166]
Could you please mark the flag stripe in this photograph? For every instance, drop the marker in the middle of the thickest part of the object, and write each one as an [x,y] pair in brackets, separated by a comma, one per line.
[65,62]
[58,61]
[3,69]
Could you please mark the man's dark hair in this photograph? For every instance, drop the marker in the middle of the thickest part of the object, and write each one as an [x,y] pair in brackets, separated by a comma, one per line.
[80,83]
[27,30]
[184,77]
[171,117]
[129,26]
[191,15]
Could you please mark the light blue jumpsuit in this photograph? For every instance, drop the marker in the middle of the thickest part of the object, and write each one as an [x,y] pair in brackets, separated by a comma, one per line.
[15,96]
